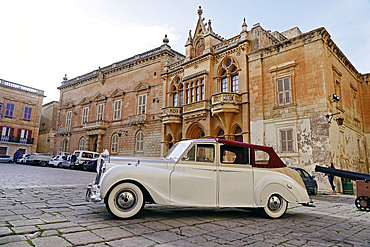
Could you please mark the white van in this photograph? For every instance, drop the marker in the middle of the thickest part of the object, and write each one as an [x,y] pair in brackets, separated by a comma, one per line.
[80,156]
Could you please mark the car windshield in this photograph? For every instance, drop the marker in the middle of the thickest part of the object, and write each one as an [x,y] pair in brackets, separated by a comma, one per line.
[177,150]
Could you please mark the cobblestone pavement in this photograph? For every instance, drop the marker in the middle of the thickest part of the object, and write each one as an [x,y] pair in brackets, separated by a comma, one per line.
[43,206]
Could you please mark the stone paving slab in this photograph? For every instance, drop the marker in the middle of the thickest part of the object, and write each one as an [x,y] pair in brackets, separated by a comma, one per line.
[51,212]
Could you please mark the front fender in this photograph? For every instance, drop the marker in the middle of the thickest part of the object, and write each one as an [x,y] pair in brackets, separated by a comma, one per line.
[154,180]
[280,184]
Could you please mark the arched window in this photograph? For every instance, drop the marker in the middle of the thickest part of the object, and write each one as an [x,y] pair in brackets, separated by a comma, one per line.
[229,76]
[114,146]
[140,141]
[221,134]
[238,135]
[81,145]
[177,93]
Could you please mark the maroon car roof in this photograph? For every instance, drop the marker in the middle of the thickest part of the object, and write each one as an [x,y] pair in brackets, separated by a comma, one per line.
[274,161]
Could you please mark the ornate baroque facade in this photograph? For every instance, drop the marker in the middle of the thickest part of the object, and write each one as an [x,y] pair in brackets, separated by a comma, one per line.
[20,110]
[263,87]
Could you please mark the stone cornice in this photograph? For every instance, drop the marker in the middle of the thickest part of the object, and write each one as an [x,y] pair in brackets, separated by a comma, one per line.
[129,63]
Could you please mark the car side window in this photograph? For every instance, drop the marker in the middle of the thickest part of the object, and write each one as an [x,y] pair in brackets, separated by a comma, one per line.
[261,157]
[235,154]
[190,155]
[305,174]
[205,153]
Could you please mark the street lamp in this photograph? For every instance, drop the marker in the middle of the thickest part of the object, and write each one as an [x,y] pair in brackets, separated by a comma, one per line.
[339,119]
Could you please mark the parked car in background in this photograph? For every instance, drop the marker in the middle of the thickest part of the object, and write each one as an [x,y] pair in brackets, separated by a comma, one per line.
[308,180]
[204,173]
[90,165]
[80,156]
[6,158]
[21,159]
[38,159]
[57,161]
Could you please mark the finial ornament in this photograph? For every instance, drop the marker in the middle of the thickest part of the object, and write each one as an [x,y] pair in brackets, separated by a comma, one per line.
[244,26]
[200,11]
[165,40]
[65,77]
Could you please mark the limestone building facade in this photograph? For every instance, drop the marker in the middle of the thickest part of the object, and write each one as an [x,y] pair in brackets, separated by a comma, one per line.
[20,111]
[48,128]
[117,107]
[278,89]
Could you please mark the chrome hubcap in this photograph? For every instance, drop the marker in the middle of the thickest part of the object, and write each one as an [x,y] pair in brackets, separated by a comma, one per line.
[125,199]
[274,203]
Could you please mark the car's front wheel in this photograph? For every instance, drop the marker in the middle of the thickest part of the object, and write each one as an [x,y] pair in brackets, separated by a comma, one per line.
[276,207]
[125,200]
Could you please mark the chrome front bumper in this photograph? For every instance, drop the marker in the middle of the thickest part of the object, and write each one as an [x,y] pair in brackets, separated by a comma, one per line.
[93,193]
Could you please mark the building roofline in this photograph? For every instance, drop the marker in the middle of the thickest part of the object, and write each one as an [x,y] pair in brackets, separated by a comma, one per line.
[22,88]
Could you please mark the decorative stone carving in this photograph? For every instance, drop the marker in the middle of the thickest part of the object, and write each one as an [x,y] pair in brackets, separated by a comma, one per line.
[101,77]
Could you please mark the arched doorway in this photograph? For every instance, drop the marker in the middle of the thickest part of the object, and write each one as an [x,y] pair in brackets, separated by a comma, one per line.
[65,145]
[195,131]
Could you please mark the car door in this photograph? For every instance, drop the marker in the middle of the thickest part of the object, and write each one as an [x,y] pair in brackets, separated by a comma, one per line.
[309,182]
[193,179]
[235,173]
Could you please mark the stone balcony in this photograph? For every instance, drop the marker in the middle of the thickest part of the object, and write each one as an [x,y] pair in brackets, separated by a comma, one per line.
[171,114]
[64,130]
[225,103]
[94,125]
[137,119]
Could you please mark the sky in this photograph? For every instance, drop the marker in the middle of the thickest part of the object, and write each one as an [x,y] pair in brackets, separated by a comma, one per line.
[42,40]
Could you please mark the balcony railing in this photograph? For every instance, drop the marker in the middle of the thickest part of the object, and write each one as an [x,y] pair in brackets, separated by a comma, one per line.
[137,119]
[16,139]
[196,106]
[64,130]
[225,102]
[97,124]
[171,114]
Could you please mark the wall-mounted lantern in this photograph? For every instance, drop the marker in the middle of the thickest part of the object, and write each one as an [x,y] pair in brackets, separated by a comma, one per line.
[122,131]
[339,119]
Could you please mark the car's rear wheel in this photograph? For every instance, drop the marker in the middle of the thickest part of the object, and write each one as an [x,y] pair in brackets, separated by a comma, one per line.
[276,207]
[125,200]
[60,165]
[43,163]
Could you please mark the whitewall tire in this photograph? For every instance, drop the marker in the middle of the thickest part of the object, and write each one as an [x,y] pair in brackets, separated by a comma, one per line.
[125,200]
[276,207]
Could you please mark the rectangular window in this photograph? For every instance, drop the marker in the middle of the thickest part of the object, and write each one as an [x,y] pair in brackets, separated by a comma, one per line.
[175,99]
[27,113]
[286,140]
[117,109]
[181,100]
[68,120]
[234,83]
[100,112]
[284,94]
[1,109]
[85,115]
[187,97]
[202,92]
[141,109]
[224,87]
[192,95]
[9,109]
[197,94]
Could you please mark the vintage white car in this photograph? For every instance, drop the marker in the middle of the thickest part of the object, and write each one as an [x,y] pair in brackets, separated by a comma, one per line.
[200,173]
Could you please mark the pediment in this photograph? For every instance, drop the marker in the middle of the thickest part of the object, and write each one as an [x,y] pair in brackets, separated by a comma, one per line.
[100,97]
[117,93]
[85,101]
[142,86]
[69,105]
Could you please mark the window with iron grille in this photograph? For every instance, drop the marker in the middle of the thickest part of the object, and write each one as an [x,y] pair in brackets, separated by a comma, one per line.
[286,140]
[284,94]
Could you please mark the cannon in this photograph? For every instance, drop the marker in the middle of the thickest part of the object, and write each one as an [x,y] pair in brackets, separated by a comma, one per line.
[362,184]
